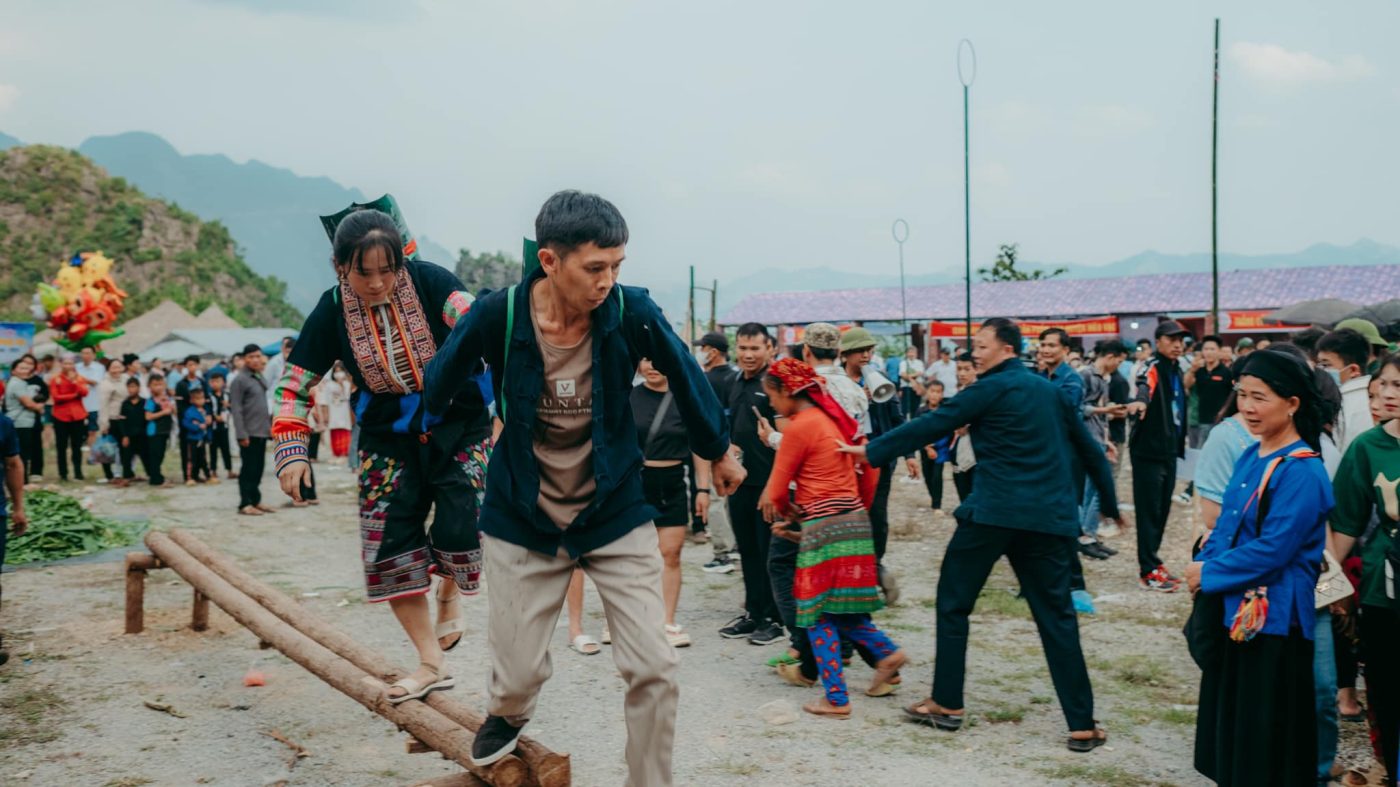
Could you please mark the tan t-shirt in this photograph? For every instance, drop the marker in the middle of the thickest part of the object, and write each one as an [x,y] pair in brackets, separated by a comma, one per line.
[564,430]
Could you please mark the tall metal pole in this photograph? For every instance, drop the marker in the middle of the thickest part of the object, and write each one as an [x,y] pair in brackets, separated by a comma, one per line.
[1214,234]
[900,231]
[966,77]
[690,309]
[714,298]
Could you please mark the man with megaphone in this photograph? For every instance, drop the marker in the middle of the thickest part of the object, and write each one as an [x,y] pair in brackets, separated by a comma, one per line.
[857,347]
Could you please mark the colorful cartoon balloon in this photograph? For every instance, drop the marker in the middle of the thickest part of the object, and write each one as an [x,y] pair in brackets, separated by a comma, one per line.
[83,302]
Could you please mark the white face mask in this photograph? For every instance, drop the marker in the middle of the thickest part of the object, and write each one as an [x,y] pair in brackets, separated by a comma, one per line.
[702,356]
[339,376]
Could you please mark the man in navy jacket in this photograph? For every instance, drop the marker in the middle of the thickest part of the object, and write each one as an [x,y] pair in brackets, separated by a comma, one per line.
[563,487]
[1023,507]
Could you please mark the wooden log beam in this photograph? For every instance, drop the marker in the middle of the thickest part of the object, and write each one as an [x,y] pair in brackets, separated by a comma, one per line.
[199,614]
[418,719]
[550,769]
[137,564]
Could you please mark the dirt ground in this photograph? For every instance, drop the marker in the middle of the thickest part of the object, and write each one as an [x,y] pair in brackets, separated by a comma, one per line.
[72,696]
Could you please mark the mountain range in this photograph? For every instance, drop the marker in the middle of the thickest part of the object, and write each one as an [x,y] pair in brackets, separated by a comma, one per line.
[267,210]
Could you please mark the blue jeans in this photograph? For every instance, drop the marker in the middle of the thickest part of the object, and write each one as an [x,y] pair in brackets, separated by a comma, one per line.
[1325,689]
[1089,510]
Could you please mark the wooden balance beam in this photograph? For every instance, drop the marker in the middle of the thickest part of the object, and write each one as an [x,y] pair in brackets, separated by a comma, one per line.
[439,723]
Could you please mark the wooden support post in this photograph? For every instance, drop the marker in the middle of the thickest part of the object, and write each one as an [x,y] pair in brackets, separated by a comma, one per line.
[137,564]
[421,721]
[550,769]
[199,615]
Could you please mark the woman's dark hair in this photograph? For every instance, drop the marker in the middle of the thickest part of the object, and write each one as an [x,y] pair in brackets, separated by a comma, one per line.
[1284,368]
[569,219]
[1392,359]
[362,232]
[16,362]
[1007,332]
[111,361]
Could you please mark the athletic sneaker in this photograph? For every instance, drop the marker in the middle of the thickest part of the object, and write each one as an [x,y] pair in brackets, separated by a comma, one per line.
[1094,550]
[739,627]
[1109,529]
[496,738]
[768,634]
[677,636]
[1159,581]
[720,565]
[1181,497]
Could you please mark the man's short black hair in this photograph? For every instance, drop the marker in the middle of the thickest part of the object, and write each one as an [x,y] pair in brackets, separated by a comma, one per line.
[569,219]
[1110,347]
[153,376]
[1349,345]
[130,381]
[963,357]
[1007,332]
[249,349]
[754,329]
[1210,337]
[1307,339]
[196,390]
[823,353]
[1060,332]
[236,356]
[216,376]
[934,383]
[191,359]
[1141,343]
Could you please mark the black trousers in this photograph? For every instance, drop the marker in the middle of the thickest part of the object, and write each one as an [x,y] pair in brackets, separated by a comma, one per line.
[155,456]
[1380,650]
[198,468]
[69,438]
[250,472]
[1153,483]
[218,446]
[910,399]
[963,483]
[933,478]
[1041,563]
[313,446]
[31,450]
[129,452]
[752,536]
[880,511]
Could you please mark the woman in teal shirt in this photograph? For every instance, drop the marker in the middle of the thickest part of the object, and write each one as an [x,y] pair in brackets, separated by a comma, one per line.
[1257,718]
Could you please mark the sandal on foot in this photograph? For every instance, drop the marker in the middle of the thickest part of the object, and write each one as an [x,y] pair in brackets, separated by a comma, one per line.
[885,689]
[792,674]
[585,645]
[824,708]
[446,628]
[1097,737]
[886,669]
[415,690]
[787,657]
[931,713]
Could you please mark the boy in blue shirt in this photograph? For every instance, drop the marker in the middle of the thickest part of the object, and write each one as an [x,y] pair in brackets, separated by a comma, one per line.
[195,427]
[936,454]
[160,418]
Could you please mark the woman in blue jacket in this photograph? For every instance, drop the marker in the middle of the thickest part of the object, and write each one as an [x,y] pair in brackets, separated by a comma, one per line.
[1257,719]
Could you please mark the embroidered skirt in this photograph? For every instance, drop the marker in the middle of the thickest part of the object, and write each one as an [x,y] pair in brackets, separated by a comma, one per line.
[836,571]
[402,481]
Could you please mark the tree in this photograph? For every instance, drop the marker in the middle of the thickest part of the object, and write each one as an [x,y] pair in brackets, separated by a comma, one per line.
[1004,269]
[492,270]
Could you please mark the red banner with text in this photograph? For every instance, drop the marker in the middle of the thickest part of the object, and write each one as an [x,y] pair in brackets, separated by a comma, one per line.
[1087,326]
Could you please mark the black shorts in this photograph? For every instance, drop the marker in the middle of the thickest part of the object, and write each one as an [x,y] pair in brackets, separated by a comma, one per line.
[668,491]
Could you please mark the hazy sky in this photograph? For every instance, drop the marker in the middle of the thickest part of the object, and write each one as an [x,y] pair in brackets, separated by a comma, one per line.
[742,135]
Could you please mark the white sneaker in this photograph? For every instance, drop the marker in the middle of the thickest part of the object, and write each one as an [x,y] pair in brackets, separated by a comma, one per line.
[677,636]
[1109,530]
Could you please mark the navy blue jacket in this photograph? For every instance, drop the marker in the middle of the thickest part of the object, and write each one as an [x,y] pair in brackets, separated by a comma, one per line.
[1025,433]
[621,338]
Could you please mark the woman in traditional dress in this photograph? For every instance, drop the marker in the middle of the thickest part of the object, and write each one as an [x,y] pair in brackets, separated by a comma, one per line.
[383,321]
[836,587]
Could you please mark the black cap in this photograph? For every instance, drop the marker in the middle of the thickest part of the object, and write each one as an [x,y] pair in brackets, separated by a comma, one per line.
[713,339]
[1170,328]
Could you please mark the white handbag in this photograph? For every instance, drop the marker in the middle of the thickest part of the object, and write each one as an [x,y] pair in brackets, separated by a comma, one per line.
[1332,583]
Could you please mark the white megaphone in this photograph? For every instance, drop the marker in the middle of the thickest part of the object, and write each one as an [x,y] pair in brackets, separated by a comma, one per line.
[880,388]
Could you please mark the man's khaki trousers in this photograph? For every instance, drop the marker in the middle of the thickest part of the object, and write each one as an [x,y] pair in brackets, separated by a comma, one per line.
[525,593]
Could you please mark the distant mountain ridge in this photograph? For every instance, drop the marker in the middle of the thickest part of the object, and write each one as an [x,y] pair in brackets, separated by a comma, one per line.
[7,141]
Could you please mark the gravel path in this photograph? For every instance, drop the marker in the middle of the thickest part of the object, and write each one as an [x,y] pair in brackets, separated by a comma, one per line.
[72,696]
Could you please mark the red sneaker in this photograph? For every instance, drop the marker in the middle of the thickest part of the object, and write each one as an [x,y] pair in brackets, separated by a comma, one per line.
[1159,581]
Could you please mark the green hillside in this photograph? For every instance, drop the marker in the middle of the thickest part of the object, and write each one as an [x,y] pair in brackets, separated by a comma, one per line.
[54,202]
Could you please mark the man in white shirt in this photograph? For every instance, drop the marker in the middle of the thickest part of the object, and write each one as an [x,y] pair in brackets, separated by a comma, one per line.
[90,369]
[944,371]
[911,375]
[1344,354]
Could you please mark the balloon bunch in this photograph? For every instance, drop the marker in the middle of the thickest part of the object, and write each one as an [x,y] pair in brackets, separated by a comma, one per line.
[83,302]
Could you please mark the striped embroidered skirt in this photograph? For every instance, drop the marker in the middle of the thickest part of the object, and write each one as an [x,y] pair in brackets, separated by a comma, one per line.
[836,571]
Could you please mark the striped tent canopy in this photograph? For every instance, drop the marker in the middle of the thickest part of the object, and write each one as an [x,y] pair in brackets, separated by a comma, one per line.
[1152,294]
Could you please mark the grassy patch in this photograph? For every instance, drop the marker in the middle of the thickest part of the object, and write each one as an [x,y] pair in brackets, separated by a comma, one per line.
[1006,715]
[129,781]
[31,717]
[1139,671]
[1041,700]
[1098,774]
[1002,603]
[894,625]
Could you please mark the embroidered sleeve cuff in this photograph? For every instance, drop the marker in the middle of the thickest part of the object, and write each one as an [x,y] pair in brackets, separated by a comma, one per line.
[291,448]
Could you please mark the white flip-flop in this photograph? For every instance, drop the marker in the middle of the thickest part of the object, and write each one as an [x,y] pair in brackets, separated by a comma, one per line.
[585,645]
[417,691]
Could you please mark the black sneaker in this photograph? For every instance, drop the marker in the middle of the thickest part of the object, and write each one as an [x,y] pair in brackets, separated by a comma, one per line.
[1105,547]
[741,626]
[767,634]
[1094,550]
[720,565]
[496,738]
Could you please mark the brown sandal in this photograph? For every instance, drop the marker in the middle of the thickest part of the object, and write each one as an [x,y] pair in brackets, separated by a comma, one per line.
[1097,737]
[885,670]
[931,713]
[823,708]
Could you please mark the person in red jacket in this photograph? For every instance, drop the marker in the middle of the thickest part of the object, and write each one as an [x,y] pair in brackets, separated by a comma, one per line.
[69,417]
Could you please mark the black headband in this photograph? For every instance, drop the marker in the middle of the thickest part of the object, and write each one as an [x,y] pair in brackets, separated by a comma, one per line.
[1287,375]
